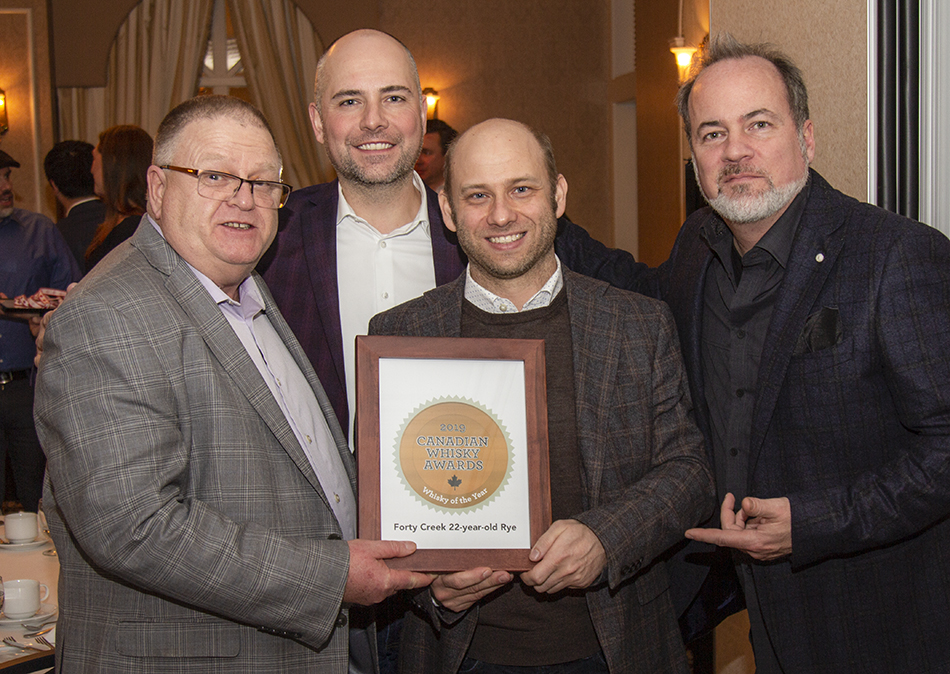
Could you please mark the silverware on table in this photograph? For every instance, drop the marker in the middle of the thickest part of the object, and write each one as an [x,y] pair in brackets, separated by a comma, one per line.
[45,642]
[30,635]
[10,641]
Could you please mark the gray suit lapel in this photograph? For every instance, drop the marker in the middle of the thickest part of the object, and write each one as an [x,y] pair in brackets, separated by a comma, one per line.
[220,339]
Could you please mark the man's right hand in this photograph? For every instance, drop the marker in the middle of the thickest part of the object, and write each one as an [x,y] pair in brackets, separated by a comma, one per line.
[370,581]
[458,591]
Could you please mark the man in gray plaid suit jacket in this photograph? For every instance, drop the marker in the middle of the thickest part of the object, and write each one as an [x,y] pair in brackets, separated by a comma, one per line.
[627,460]
[200,491]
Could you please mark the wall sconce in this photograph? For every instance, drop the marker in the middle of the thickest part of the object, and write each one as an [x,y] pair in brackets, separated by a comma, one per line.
[4,126]
[432,102]
[683,54]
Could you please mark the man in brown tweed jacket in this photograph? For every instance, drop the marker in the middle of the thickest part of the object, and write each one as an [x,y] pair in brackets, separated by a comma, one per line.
[627,462]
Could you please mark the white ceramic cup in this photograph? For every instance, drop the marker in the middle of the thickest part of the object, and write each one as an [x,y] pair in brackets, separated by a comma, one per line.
[21,598]
[20,527]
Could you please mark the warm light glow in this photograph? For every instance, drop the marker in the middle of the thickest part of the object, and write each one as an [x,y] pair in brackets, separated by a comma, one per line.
[4,127]
[683,54]
[432,102]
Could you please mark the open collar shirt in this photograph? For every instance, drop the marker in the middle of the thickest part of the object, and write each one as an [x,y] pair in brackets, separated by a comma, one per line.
[376,272]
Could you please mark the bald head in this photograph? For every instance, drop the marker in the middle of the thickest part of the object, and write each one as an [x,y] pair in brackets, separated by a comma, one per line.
[369,112]
[497,129]
[367,47]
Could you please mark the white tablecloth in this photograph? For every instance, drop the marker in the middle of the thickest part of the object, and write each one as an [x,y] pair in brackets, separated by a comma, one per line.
[34,564]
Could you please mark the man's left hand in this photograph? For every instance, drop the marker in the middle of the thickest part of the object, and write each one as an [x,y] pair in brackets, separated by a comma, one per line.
[568,555]
[761,528]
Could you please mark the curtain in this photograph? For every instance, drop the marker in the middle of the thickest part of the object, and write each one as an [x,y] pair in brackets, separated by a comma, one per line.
[153,65]
[280,50]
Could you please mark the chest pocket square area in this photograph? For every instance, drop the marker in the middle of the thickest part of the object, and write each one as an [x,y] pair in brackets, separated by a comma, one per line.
[822,330]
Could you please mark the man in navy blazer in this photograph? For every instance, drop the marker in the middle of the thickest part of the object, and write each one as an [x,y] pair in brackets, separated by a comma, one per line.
[816,332]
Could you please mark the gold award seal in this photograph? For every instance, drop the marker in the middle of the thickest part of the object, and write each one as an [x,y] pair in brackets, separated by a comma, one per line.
[453,454]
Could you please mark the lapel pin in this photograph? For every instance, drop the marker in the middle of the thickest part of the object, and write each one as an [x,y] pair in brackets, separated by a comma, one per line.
[820,257]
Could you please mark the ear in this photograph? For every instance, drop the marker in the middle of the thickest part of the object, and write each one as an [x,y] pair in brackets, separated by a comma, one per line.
[560,195]
[446,212]
[156,191]
[808,133]
[316,122]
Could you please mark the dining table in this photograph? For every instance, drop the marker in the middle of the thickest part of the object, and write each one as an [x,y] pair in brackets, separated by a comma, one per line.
[36,560]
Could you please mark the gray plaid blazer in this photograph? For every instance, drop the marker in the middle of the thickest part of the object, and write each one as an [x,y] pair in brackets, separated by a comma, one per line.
[646,479]
[192,531]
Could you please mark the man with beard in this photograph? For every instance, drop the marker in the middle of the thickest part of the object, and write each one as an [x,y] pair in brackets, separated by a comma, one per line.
[625,455]
[35,256]
[815,330]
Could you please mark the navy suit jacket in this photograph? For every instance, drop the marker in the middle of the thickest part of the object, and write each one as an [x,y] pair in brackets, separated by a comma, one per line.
[852,424]
[300,270]
[79,227]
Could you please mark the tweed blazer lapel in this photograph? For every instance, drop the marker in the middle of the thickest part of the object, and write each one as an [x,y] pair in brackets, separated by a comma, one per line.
[596,343]
[820,236]
[220,339]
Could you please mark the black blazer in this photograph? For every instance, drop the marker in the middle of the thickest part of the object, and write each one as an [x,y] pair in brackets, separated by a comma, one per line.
[852,424]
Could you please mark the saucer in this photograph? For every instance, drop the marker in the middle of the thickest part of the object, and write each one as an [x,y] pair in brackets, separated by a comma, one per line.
[46,611]
[29,545]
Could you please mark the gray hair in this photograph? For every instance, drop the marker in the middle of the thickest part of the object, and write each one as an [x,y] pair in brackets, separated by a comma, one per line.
[724,47]
[203,107]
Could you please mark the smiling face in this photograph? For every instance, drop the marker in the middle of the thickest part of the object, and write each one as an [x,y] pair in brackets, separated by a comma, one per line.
[502,207]
[221,239]
[431,163]
[370,117]
[751,160]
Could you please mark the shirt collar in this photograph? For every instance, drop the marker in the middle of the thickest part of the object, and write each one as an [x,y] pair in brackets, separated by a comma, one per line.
[344,211]
[489,302]
[82,201]
[249,302]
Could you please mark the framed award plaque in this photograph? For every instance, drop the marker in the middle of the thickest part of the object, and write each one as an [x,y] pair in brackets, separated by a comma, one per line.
[452,449]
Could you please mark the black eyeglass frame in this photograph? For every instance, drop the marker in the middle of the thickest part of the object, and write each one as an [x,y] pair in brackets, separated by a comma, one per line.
[286,189]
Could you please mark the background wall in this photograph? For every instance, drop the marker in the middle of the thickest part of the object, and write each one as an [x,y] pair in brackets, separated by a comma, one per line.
[828,41]
[25,77]
[543,63]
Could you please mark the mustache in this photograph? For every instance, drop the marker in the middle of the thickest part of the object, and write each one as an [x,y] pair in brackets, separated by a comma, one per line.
[736,169]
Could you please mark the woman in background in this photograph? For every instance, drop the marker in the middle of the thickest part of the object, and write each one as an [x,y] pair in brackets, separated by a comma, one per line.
[119,166]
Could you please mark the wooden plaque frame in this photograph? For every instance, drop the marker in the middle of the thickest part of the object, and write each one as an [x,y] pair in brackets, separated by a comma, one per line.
[369,350]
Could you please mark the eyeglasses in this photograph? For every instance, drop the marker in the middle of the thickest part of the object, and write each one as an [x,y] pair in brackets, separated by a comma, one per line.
[223,186]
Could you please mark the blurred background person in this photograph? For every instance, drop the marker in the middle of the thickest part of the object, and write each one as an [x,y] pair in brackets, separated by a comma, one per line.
[34,256]
[119,165]
[68,168]
[431,162]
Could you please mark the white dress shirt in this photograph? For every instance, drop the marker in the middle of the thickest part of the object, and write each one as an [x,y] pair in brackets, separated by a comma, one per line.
[376,272]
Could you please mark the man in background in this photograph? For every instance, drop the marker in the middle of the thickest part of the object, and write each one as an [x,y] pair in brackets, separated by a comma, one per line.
[68,168]
[431,162]
[815,331]
[200,490]
[625,454]
[34,256]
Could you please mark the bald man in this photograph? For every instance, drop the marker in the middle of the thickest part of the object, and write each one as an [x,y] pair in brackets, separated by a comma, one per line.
[626,457]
